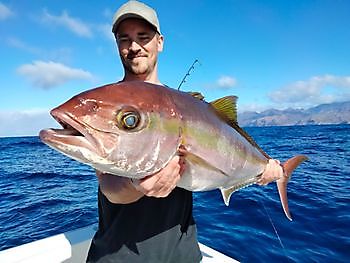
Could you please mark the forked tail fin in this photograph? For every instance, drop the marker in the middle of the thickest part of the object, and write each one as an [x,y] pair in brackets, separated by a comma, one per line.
[288,168]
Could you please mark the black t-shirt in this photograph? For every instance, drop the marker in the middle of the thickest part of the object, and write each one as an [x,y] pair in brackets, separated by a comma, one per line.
[149,230]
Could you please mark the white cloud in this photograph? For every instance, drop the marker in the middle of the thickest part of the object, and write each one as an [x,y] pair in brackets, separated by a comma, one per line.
[314,91]
[49,74]
[62,54]
[17,43]
[25,123]
[252,107]
[226,82]
[5,12]
[73,24]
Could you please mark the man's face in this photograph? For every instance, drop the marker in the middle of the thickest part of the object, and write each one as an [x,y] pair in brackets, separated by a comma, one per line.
[138,45]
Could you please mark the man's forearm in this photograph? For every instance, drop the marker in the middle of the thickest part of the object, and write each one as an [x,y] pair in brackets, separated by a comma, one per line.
[118,190]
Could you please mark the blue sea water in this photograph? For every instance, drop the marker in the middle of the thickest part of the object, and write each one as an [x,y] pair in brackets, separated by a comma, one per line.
[43,193]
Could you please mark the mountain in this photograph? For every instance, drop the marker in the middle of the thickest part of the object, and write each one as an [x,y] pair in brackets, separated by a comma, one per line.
[333,113]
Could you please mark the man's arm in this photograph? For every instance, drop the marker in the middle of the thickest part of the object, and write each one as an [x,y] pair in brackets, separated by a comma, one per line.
[118,190]
[122,190]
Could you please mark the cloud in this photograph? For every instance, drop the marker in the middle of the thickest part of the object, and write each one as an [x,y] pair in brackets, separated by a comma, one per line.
[73,24]
[62,54]
[226,82]
[5,12]
[17,43]
[50,74]
[314,91]
[25,123]
[252,107]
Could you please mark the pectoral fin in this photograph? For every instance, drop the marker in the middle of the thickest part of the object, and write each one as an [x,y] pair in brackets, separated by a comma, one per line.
[197,160]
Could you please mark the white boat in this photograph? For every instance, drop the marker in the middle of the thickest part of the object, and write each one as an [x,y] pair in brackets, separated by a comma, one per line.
[72,247]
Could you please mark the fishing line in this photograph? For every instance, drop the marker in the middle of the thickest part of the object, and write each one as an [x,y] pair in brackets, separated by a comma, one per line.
[274,228]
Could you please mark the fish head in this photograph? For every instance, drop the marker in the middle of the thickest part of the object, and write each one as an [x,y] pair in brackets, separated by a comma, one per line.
[130,129]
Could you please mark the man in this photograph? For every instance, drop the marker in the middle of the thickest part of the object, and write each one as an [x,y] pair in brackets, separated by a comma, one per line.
[148,220]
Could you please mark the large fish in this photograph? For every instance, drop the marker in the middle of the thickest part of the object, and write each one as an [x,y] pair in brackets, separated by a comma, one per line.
[133,129]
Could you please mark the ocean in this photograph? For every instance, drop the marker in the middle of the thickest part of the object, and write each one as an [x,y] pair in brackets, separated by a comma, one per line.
[44,193]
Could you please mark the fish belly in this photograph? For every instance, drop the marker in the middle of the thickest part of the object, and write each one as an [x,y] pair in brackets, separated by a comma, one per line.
[201,178]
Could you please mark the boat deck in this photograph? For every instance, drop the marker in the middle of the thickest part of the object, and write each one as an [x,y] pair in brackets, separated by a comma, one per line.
[72,247]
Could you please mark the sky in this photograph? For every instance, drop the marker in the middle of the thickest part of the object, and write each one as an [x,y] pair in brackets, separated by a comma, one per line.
[271,54]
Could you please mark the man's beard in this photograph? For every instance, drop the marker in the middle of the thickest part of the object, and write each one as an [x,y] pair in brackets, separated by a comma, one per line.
[138,68]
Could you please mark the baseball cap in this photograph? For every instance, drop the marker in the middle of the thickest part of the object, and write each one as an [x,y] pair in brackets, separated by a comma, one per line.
[135,9]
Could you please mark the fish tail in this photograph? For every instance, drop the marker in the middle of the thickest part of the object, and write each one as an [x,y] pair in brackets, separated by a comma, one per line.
[288,168]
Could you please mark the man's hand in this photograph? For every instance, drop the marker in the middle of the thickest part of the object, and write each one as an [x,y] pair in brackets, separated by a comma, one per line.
[162,183]
[122,190]
[273,171]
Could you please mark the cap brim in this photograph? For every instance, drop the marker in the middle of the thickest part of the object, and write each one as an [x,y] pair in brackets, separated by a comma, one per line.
[130,15]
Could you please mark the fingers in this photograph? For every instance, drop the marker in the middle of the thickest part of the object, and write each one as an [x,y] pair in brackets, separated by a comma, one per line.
[182,165]
[162,183]
[182,151]
[273,171]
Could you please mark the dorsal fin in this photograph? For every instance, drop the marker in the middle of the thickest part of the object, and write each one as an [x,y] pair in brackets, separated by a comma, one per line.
[226,108]
[196,95]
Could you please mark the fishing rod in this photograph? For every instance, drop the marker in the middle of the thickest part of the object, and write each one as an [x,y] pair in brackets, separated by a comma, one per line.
[188,73]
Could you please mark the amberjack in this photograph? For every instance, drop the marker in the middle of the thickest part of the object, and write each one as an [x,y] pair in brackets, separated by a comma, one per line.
[133,129]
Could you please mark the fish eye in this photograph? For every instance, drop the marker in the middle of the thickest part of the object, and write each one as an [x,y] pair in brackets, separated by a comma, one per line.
[128,120]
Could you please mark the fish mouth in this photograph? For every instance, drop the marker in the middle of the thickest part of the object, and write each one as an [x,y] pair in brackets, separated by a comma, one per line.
[73,139]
